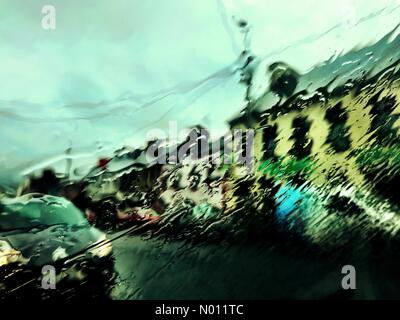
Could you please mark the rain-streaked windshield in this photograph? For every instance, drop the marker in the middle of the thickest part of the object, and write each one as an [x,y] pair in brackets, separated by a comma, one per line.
[229,149]
[38,212]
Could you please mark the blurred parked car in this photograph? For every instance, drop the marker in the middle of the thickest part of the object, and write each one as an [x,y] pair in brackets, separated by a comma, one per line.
[38,230]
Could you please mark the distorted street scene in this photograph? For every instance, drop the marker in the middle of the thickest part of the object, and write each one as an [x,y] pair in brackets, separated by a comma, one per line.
[182,150]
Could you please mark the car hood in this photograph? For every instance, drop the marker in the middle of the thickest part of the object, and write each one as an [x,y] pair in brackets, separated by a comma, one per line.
[46,246]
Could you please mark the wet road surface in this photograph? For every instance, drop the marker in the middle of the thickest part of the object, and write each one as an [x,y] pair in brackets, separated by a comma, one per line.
[150,269]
